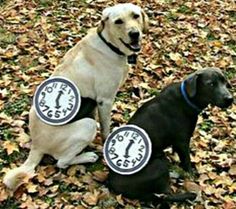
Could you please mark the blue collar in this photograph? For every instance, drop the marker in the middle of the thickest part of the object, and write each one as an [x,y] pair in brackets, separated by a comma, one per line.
[185,95]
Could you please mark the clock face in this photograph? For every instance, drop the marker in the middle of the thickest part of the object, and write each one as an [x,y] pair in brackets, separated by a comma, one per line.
[127,150]
[57,100]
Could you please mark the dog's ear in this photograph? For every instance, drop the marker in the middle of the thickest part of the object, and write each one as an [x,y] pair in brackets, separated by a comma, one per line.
[191,84]
[145,21]
[105,16]
[101,26]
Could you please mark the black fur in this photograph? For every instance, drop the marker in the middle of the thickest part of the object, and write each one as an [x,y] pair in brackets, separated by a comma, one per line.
[87,109]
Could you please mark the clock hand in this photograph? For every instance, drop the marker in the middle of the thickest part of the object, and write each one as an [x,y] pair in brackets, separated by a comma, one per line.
[58,98]
[128,148]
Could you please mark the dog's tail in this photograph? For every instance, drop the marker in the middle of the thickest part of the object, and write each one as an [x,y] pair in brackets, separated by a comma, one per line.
[14,178]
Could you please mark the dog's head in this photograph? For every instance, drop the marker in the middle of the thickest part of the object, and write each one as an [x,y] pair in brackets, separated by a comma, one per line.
[123,26]
[209,86]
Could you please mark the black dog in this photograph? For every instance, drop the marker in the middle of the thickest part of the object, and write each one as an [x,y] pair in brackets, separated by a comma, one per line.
[170,119]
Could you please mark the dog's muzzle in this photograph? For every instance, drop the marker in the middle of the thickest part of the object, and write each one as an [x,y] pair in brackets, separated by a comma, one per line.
[134,44]
[228,101]
[225,101]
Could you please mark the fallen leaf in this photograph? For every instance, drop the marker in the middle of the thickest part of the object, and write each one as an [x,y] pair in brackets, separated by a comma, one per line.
[232,170]
[10,147]
[192,186]
[91,198]
[100,176]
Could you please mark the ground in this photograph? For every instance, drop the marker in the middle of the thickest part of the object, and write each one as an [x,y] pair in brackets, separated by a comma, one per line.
[183,36]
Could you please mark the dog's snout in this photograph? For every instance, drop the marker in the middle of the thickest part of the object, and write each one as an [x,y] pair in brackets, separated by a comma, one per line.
[134,35]
[229,99]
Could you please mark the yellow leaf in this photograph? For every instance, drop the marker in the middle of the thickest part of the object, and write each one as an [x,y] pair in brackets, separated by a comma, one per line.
[176,57]
[5,118]
[31,188]
[25,89]
[120,200]
[217,43]
[10,147]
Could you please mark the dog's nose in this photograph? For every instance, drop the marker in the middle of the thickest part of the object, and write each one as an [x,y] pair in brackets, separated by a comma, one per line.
[229,100]
[134,35]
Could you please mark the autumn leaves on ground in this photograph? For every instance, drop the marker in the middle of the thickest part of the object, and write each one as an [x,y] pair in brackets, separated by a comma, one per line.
[183,37]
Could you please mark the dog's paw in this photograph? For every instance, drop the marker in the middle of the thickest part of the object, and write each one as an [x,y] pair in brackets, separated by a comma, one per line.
[61,164]
[90,157]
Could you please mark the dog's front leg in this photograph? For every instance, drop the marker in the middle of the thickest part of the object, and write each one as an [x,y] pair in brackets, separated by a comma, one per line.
[184,155]
[104,113]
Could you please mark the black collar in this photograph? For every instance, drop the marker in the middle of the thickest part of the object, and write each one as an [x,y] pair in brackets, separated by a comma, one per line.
[131,59]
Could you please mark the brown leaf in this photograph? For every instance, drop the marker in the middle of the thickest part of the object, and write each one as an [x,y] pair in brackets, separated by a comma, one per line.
[229,205]
[100,176]
[91,198]
[232,170]
[192,186]
[3,195]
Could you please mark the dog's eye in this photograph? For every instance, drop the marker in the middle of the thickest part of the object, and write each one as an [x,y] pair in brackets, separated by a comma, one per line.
[211,83]
[119,22]
[136,16]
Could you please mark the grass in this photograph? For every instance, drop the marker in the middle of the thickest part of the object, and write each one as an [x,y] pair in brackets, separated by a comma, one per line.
[184,9]
[17,106]
[97,166]
[6,37]
[206,125]
[10,203]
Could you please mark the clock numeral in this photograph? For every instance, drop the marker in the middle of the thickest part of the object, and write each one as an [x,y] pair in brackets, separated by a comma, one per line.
[141,148]
[49,113]
[64,111]
[54,85]
[70,107]
[120,138]
[135,135]
[140,140]
[49,89]
[126,134]
[63,87]
[134,162]
[126,163]
[71,98]
[46,108]
[44,94]
[115,156]
[118,162]
[57,114]
[140,156]
[42,103]
[113,142]
[112,150]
